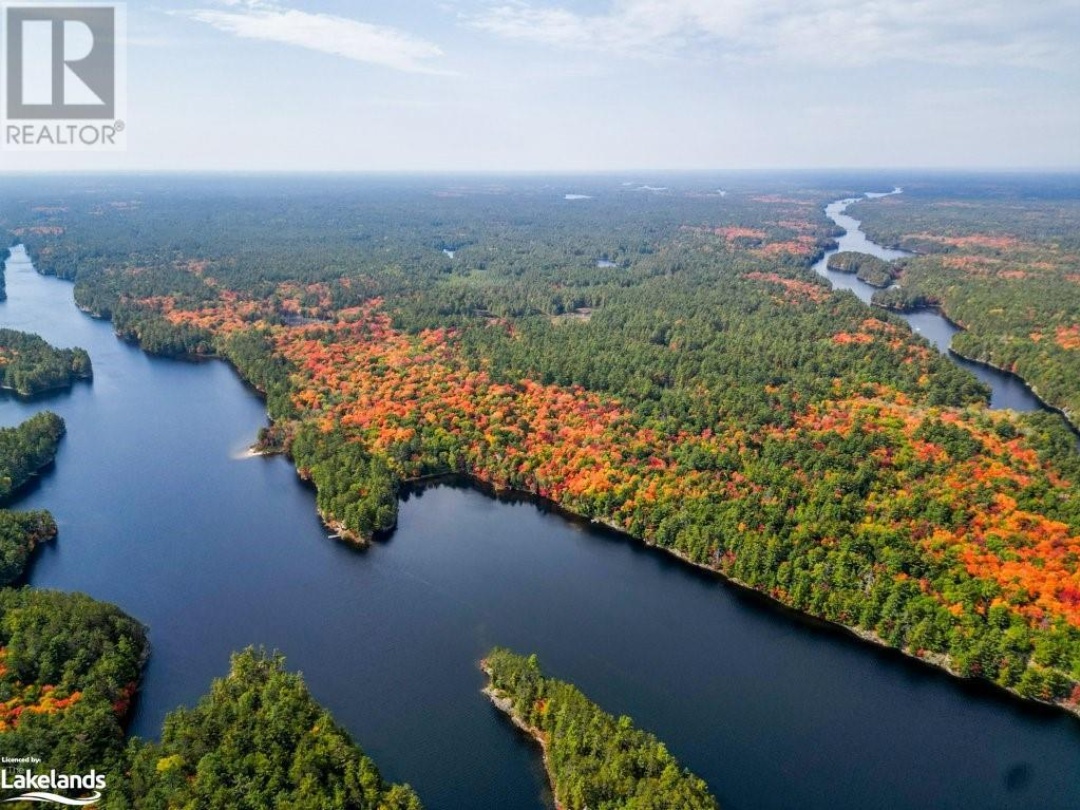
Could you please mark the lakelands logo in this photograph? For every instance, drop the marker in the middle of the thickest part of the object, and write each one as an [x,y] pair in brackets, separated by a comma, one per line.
[64,76]
[41,787]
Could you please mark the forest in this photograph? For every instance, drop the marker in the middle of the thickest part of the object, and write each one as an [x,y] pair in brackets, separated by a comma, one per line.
[666,363]
[1003,263]
[26,449]
[69,667]
[258,740]
[30,366]
[23,451]
[594,761]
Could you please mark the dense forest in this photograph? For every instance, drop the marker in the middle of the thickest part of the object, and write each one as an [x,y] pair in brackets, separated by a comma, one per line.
[26,449]
[594,760]
[257,741]
[665,362]
[20,534]
[23,451]
[1004,264]
[69,667]
[30,366]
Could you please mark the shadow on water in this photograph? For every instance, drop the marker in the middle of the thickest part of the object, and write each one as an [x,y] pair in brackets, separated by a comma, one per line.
[33,484]
[45,398]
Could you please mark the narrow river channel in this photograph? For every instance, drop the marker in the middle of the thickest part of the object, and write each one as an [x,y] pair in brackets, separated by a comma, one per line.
[161,512]
[1007,390]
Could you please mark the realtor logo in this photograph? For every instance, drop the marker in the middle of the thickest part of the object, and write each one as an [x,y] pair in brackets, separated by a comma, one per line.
[62,64]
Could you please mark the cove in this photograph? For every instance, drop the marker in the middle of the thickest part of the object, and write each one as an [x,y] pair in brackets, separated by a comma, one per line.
[161,512]
[1007,391]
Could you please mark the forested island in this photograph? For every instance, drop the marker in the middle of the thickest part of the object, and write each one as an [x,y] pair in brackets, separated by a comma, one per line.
[30,366]
[20,534]
[26,449]
[870,269]
[258,740]
[708,394]
[23,451]
[1003,265]
[594,761]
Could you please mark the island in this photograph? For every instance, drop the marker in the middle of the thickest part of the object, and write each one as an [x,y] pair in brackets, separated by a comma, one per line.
[20,534]
[257,740]
[30,366]
[594,761]
[23,451]
[868,269]
[26,449]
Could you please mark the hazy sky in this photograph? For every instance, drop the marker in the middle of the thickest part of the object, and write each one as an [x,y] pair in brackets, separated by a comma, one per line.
[600,85]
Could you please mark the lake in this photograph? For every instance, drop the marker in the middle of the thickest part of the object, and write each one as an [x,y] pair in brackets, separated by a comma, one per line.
[161,512]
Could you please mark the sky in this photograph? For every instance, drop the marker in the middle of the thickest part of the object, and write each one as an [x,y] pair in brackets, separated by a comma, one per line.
[604,85]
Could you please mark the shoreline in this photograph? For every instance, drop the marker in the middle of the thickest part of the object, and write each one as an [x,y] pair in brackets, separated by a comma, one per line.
[1073,425]
[52,389]
[938,661]
[506,706]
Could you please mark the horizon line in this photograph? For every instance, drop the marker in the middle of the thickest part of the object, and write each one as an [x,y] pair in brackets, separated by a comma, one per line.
[545,172]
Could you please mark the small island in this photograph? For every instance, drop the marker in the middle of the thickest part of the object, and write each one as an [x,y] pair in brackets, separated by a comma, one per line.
[20,534]
[29,366]
[868,269]
[26,449]
[593,759]
[259,728]
[23,451]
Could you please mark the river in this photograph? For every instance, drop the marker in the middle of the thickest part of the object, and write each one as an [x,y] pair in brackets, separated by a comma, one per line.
[161,513]
[1007,390]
